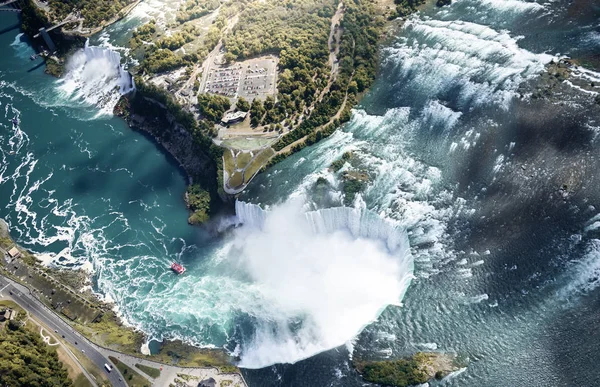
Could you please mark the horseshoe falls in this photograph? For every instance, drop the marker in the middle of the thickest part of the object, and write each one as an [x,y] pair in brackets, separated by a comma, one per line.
[476,230]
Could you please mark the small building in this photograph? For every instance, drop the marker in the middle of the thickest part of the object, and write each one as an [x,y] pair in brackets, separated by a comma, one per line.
[232,118]
[210,382]
[14,252]
[8,314]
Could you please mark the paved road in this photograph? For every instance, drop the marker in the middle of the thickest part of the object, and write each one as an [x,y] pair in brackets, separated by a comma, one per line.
[20,294]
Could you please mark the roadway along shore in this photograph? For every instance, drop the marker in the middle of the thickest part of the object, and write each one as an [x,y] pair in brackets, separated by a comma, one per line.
[99,355]
[21,295]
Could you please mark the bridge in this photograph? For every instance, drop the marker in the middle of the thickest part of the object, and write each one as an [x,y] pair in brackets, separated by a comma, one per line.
[69,19]
[7,2]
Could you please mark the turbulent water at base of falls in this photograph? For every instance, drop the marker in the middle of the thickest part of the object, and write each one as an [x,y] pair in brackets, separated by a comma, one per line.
[322,275]
[95,77]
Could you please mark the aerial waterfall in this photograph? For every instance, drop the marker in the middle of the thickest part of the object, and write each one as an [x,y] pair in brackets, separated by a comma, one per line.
[321,276]
[95,77]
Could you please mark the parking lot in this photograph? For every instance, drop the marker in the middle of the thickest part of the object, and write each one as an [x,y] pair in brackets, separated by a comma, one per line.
[253,78]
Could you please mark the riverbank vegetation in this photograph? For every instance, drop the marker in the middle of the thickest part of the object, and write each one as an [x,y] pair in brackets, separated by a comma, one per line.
[93,12]
[159,107]
[401,372]
[406,7]
[107,329]
[198,201]
[195,9]
[358,54]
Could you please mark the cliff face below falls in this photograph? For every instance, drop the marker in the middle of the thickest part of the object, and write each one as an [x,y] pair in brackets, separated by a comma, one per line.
[152,118]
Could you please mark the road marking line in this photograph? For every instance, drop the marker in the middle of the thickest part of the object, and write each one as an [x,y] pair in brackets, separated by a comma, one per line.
[4,288]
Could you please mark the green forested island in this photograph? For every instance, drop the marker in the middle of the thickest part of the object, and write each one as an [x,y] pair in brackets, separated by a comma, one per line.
[408,371]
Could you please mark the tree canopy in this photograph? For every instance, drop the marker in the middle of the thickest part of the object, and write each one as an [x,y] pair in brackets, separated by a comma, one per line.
[25,360]
[212,107]
[94,12]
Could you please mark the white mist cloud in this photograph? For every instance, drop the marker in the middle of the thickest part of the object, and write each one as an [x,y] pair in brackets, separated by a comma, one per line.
[95,77]
[316,290]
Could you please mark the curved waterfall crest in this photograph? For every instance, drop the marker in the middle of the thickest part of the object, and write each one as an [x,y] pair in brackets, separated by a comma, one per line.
[95,77]
[358,221]
[320,277]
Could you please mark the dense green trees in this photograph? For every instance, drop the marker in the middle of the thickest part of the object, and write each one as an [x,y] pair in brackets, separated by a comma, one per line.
[198,201]
[178,39]
[194,9]
[357,68]
[94,12]
[242,104]
[25,360]
[144,33]
[401,372]
[212,107]
[32,19]
[406,7]
[157,54]
[257,111]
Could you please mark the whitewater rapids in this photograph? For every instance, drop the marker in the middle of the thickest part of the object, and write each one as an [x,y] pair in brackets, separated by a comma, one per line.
[320,276]
[94,77]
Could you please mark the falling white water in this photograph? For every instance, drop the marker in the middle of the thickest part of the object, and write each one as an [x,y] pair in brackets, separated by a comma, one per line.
[321,276]
[94,77]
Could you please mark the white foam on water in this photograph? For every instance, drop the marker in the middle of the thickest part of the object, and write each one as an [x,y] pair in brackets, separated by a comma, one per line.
[94,77]
[320,277]
[428,346]
[434,114]
[477,299]
[583,273]
[404,188]
[498,11]
[484,65]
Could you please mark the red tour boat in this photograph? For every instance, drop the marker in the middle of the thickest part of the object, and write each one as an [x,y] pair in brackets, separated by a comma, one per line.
[177,268]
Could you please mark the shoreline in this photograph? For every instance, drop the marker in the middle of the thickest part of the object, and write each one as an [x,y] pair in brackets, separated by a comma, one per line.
[94,318]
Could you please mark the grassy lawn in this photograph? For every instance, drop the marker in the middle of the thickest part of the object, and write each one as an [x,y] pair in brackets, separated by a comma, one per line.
[10,304]
[109,332]
[81,381]
[150,371]
[132,378]
[228,162]
[235,180]
[75,373]
[243,158]
[258,162]
[97,373]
